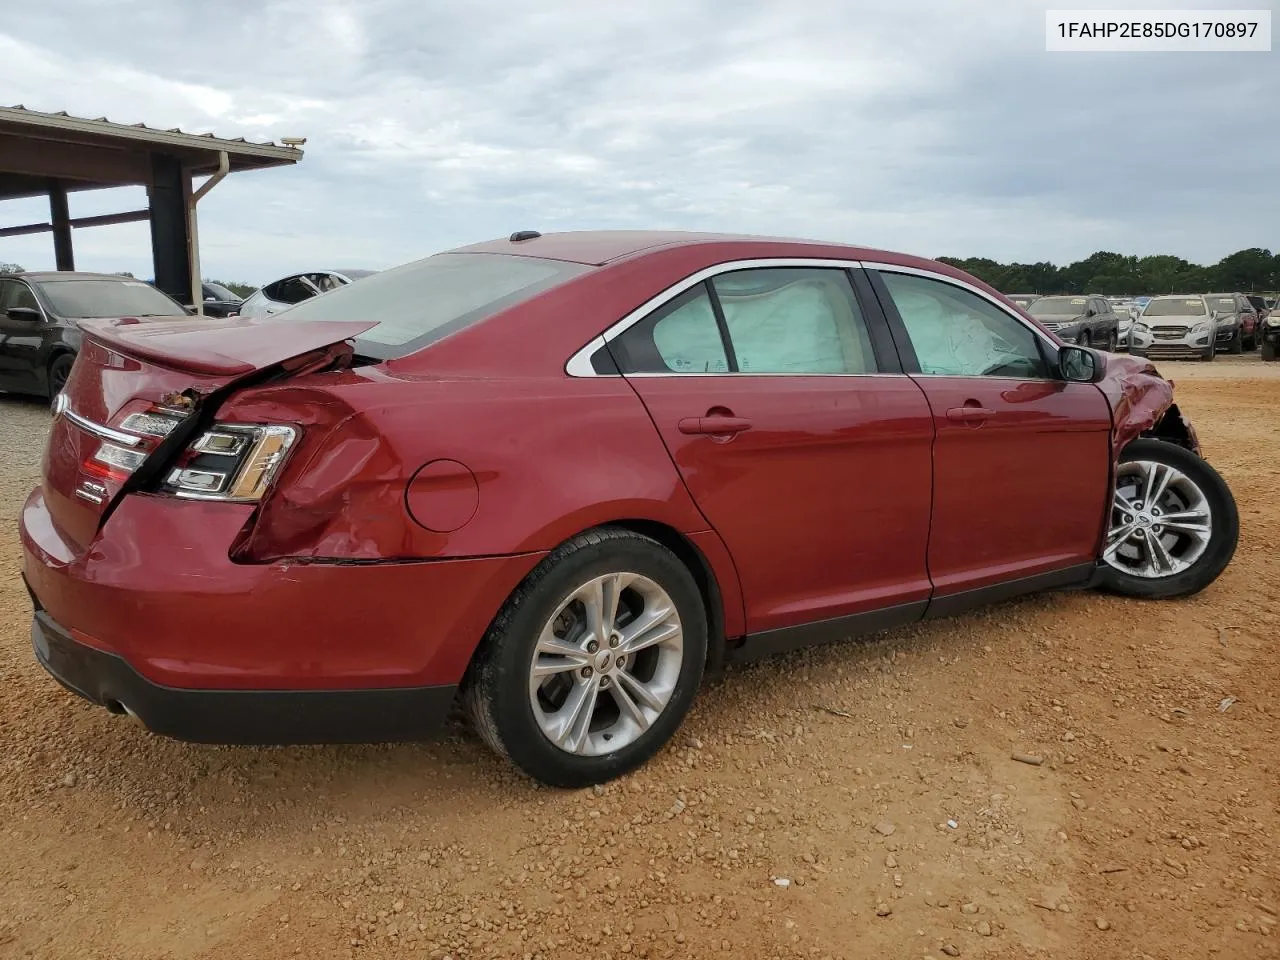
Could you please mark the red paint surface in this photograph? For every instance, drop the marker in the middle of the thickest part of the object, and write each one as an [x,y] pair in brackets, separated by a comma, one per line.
[824,502]
[363,568]
[158,589]
[1023,490]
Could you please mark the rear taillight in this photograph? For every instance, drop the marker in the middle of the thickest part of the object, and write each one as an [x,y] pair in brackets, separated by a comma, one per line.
[121,451]
[231,461]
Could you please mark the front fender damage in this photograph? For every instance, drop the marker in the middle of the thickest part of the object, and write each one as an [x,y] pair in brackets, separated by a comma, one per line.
[1142,406]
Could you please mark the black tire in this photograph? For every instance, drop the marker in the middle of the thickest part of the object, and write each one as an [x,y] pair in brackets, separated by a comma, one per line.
[59,370]
[1223,535]
[496,691]
[1084,340]
[1251,343]
[1211,351]
[1113,342]
[1237,343]
[1268,351]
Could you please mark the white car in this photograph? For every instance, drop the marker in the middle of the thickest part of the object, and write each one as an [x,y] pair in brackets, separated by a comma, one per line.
[295,288]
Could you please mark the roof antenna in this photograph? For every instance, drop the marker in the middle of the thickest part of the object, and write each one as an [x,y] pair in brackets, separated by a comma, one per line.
[524,235]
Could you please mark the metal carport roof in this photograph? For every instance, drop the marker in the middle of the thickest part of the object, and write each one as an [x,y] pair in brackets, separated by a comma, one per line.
[53,154]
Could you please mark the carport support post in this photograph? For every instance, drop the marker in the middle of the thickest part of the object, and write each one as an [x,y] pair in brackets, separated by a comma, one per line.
[170,240]
[63,256]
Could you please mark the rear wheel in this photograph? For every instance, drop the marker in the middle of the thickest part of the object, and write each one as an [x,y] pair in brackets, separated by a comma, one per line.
[59,371]
[593,662]
[1174,523]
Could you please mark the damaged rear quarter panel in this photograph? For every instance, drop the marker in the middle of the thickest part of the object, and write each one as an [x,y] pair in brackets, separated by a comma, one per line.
[550,458]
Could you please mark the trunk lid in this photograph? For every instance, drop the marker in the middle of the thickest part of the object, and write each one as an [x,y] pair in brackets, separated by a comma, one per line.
[132,366]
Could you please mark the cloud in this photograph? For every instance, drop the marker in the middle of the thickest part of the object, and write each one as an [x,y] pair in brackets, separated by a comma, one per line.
[933,127]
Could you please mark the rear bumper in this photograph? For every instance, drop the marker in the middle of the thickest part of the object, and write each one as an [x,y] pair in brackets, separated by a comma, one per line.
[158,592]
[239,716]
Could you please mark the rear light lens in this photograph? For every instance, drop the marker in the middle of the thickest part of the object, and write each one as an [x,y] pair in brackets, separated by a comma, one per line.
[232,461]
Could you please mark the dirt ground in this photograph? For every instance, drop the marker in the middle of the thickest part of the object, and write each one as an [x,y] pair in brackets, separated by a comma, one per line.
[876,777]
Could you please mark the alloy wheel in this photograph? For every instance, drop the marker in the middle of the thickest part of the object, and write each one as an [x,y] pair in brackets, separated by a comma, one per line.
[1161,521]
[606,664]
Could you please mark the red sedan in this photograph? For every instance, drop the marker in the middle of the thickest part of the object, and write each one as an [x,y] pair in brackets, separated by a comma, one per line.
[563,476]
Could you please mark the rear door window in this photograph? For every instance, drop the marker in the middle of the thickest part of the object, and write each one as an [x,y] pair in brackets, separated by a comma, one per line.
[794,320]
[681,336]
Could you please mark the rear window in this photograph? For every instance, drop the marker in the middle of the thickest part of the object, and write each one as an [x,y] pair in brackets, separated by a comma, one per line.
[82,299]
[1175,307]
[422,302]
[1059,306]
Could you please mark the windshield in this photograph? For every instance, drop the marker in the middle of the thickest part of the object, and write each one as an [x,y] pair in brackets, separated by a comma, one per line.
[421,302]
[1223,304]
[1059,306]
[81,299]
[219,291]
[1175,307]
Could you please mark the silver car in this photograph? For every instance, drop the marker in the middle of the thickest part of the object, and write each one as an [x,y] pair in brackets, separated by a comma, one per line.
[1175,327]
[1127,311]
[295,288]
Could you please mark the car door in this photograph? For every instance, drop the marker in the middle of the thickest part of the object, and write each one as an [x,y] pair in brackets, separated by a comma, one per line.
[20,339]
[801,442]
[1022,459]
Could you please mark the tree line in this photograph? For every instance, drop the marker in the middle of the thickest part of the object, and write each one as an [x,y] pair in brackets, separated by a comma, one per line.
[1113,274]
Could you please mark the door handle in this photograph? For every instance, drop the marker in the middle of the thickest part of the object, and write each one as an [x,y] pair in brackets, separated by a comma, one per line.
[714,426]
[968,414]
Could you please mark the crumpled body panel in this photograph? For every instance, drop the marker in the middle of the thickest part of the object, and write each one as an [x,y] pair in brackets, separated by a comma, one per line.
[1140,399]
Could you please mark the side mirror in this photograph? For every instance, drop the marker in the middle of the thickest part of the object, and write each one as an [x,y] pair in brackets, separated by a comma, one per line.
[1078,365]
[27,314]
[210,299]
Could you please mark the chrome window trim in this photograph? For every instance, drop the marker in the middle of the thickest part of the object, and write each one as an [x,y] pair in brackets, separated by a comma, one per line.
[97,429]
[579,365]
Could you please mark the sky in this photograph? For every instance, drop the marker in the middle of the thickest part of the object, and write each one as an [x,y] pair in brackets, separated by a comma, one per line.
[935,128]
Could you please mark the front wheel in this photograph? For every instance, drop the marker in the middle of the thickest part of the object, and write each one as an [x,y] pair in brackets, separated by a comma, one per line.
[1268,351]
[1174,524]
[1084,339]
[593,662]
[1237,343]
[1113,342]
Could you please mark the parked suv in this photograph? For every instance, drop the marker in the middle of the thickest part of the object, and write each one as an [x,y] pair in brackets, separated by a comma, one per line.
[1175,327]
[1088,320]
[1237,321]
